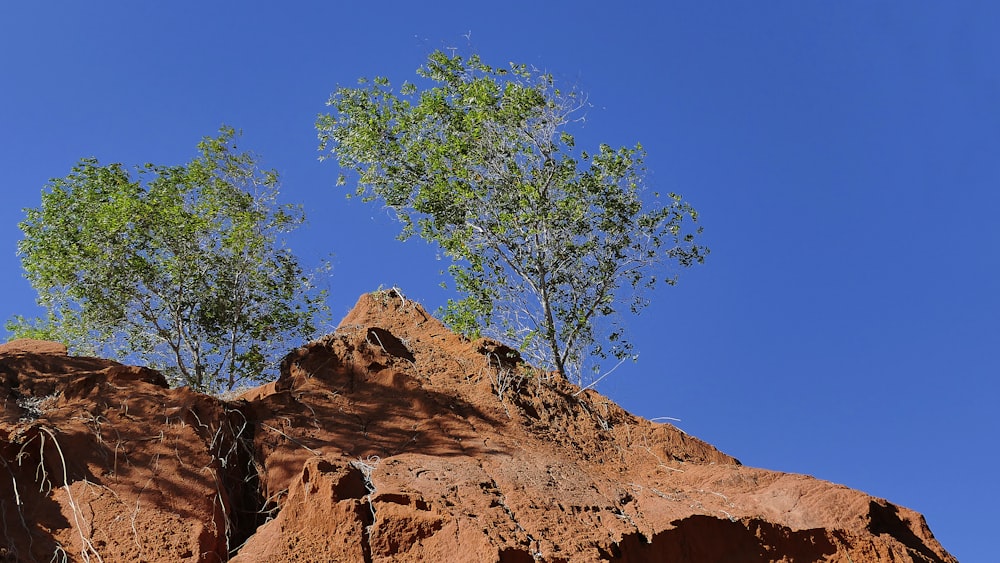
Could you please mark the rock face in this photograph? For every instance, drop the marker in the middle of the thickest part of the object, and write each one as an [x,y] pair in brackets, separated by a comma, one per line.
[393,439]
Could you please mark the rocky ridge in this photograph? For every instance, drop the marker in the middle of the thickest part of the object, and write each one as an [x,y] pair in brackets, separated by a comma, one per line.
[393,439]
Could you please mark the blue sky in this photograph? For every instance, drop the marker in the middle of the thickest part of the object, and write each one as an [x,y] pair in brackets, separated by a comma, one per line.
[843,156]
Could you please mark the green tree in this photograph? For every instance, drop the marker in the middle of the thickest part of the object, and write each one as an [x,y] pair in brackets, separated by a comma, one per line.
[183,267]
[550,243]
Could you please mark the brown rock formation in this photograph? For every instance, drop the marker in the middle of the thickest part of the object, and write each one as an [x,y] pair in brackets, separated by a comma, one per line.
[393,439]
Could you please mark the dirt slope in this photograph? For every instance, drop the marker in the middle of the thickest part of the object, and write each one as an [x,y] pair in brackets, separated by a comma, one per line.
[393,439]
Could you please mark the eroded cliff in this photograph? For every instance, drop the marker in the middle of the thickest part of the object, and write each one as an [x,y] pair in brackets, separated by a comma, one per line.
[393,439]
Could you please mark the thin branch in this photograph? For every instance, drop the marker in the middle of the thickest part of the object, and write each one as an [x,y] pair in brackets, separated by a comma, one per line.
[598,380]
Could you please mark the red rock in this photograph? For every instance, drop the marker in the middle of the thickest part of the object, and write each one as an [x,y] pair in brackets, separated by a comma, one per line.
[27,345]
[387,441]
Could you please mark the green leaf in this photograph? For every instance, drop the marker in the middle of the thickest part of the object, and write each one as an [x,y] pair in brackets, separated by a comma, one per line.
[181,267]
[550,244]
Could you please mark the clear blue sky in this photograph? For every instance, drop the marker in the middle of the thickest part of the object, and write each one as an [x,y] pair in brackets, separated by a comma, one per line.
[843,156]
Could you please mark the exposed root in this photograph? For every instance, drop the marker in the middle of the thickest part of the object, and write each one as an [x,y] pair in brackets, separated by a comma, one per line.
[88,548]
[307,448]
[367,467]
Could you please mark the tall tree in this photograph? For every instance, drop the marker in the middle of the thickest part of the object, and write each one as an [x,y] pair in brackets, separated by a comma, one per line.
[550,243]
[183,267]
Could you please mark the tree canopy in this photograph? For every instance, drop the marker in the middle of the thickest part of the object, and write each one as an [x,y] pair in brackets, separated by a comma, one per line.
[183,267]
[550,243]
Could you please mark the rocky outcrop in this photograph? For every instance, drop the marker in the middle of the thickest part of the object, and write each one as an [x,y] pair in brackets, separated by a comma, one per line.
[393,439]
[102,462]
